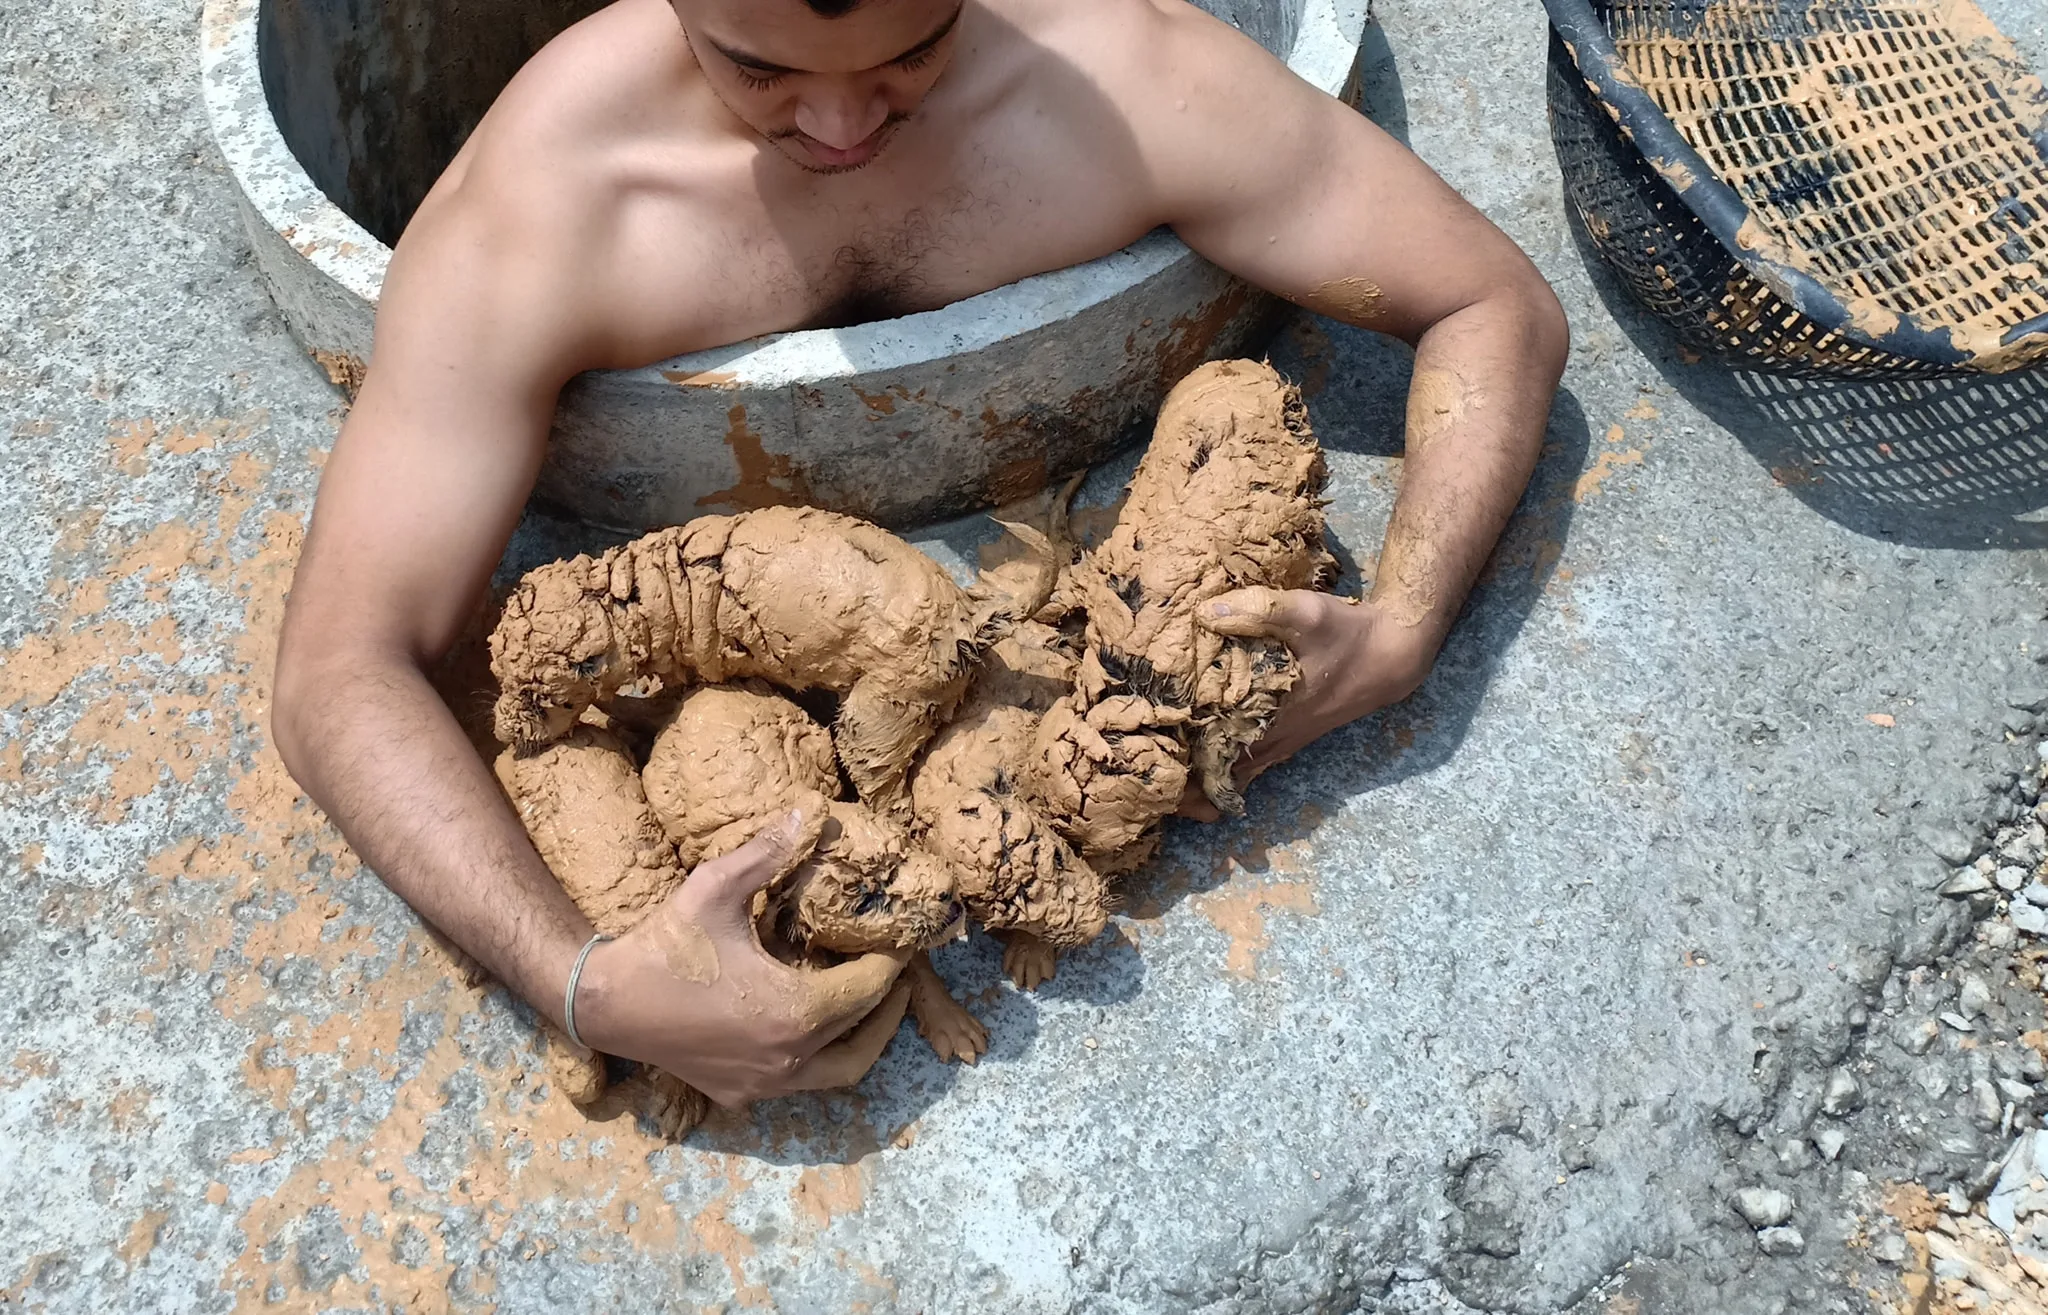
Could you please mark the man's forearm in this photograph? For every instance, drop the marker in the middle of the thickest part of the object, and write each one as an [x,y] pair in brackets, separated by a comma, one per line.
[1481,393]
[374,745]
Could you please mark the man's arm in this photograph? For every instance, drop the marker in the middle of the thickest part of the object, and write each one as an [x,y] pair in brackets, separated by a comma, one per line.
[416,503]
[479,326]
[1309,199]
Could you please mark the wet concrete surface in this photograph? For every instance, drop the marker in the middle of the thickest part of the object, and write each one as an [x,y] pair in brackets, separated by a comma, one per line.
[1489,1004]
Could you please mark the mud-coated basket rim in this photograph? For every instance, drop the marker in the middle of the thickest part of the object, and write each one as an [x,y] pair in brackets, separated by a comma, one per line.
[1718,206]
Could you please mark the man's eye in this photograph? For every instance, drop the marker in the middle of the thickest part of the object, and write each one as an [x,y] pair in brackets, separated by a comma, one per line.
[919,60]
[758,81]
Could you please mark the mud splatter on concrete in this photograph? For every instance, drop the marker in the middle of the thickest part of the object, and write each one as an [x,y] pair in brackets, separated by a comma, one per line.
[1605,464]
[766,479]
[1241,912]
[219,1016]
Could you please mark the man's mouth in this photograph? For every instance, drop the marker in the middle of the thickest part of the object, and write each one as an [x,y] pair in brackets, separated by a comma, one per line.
[833,158]
[851,157]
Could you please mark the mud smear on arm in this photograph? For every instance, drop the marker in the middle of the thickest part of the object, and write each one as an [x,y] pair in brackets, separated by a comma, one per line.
[1476,412]
[1353,300]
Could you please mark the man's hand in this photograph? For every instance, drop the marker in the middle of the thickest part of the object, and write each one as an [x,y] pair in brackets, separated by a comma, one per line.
[1355,659]
[1310,200]
[691,991]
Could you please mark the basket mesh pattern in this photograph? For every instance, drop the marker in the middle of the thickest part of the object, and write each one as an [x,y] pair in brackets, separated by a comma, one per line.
[1894,150]
[1673,264]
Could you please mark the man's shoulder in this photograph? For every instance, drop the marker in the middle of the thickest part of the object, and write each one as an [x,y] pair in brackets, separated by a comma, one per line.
[1159,66]
[1177,83]
[542,204]
[1124,40]
[1110,40]
[589,97]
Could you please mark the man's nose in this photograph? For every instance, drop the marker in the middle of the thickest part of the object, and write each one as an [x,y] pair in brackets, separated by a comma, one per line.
[842,117]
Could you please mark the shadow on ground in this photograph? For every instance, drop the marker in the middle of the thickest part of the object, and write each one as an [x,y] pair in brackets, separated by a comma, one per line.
[1950,462]
[1381,95]
[1422,733]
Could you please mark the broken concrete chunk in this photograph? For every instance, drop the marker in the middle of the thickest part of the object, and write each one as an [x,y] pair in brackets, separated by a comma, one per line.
[1829,1142]
[2024,848]
[2022,1167]
[1968,881]
[1785,1241]
[1842,1095]
[1963,1143]
[1920,1038]
[1984,1104]
[1975,997]
[1978,1185]
[1763,1207]
[2030,1242]
[1949,845]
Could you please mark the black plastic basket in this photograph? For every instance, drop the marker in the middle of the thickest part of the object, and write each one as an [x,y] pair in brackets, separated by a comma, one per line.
[1838,187]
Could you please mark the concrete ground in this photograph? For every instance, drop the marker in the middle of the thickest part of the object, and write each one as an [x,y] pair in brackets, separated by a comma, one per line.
[1490,1004]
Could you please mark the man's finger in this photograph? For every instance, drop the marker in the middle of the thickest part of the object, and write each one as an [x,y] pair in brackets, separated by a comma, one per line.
[834,999]
[848,1059]
[1258,613]
[728,883]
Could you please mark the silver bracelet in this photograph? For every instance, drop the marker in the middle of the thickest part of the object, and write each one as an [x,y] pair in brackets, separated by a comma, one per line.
[569,991]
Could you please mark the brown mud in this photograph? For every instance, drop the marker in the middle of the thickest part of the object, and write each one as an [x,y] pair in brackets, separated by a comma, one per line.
[1014,746]
[1016,872]
[1352,300]
[733,753]
[803,598]
[1227,497]
[582,804]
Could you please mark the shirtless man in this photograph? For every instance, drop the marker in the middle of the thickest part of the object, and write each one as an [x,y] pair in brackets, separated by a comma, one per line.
[670,175]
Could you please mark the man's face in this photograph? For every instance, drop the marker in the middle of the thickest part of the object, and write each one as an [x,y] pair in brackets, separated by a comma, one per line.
[826,91]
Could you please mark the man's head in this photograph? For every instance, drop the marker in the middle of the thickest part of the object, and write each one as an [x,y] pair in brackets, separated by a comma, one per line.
[826,81]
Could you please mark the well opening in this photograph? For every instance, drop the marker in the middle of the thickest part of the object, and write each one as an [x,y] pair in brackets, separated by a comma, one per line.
[336,117]
[374,97]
